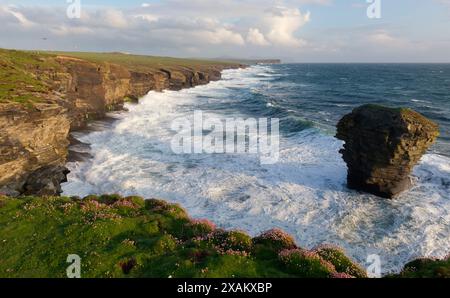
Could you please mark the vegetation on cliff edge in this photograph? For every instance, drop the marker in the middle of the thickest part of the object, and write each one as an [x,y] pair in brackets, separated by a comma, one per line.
[141,62]
[133,237]
[22,76]
[26,76]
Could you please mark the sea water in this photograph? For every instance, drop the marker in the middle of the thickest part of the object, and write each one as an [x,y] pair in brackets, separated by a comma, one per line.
[305,192]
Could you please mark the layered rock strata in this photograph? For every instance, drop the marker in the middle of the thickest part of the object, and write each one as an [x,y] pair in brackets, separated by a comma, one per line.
[34,139]
[382,145]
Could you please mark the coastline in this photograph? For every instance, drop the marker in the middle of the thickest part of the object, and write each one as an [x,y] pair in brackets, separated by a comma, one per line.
[231,194]
[98,112]
[67,91]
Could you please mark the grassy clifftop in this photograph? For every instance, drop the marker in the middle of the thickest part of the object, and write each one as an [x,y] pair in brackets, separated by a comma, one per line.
[133,237]
[130,237]
[20,81]
[140,62]
[26,77]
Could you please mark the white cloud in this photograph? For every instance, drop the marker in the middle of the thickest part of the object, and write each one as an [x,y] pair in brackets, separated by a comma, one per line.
[220,36]
[284,23]
[255,37]
[70,31]
[147,17]
[385,39]
[113,18]
[214,29]
[18,16]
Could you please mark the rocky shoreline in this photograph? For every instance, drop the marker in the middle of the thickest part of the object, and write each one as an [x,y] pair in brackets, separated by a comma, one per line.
[59,94]
[34,137]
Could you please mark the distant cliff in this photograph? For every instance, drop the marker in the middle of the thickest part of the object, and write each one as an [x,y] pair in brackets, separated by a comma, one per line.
[43,96]
[251,61]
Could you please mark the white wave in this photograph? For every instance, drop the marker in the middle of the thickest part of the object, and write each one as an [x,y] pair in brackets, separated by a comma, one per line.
[420,101]
[304,193]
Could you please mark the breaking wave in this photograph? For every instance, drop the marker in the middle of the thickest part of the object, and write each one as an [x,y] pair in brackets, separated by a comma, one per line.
[304,193]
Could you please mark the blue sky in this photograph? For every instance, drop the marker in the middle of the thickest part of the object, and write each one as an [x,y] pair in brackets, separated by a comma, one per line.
[294,30]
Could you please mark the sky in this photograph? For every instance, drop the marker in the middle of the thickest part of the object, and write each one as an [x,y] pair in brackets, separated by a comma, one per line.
[292,30]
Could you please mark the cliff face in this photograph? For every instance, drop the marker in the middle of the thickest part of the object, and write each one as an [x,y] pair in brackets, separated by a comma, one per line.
[30,140]
[34,140]
[382,145]
[92,89]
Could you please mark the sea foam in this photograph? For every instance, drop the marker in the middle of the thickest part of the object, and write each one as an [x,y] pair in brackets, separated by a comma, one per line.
[304,193]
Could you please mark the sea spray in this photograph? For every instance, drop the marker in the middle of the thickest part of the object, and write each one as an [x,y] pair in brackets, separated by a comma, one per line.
[303,193]
[228,136]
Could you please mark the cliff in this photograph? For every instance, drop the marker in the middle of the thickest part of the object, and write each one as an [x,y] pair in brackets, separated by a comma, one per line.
[43,96]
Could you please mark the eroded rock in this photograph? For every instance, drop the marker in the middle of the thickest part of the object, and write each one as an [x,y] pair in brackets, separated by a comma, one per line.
[382,145]
[46,181]
[36,135]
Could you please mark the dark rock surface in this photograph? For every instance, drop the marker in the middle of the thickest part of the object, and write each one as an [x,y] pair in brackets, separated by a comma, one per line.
[46,181]
[382,145]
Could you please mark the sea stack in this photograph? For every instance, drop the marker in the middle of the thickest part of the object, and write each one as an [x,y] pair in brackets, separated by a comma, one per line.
[382,146]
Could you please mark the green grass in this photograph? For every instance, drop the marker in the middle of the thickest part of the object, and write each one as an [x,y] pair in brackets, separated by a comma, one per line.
[426,268]
[140,62]
[129,237]
[25,76]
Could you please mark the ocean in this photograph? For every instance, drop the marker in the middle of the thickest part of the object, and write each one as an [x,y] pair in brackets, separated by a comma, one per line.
[305,192]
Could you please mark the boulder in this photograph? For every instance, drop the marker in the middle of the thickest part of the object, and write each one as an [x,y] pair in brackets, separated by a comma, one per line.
[382,145]
[46,181]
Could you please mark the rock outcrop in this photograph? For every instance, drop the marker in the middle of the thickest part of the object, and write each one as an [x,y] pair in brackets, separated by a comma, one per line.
[46,181]
[34,137]
[92,89]
[382,145]
[30,140]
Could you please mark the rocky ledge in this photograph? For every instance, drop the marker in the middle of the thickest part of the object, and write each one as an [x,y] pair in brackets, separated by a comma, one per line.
[382,145]
[44,96]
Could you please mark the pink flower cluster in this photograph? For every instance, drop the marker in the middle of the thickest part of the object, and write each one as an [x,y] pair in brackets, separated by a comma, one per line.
[231,252]
[67,206]
[93,205]
[288,256]
[125,203]
[223,247]
[99,210]
[329,247]
[278,236]
[340,275]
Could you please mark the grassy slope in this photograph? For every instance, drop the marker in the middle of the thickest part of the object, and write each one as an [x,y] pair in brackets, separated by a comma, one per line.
[18,80]
[151,238]
[140,62]
[24,74]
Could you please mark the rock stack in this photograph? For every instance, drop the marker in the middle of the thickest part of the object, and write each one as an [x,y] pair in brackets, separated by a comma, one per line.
[382,145]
